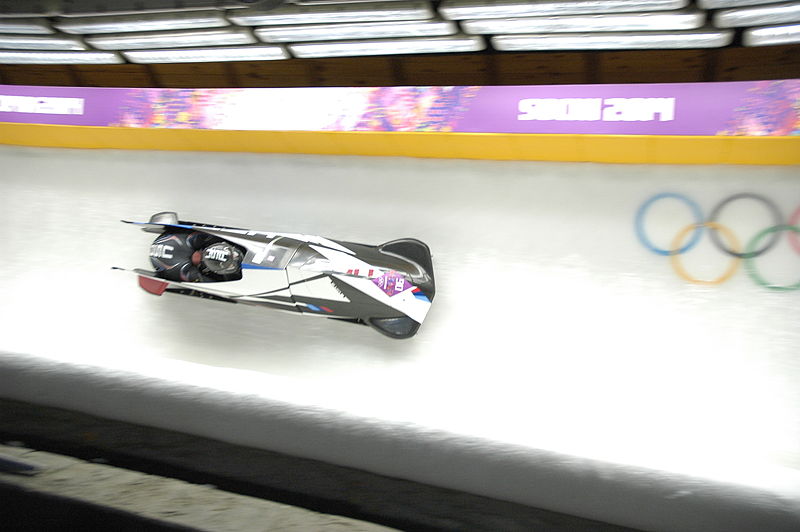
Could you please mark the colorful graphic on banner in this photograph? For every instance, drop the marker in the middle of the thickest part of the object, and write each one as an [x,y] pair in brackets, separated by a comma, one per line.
[329,109]
[769,108]
[415,108]
[730,108]
[179,108]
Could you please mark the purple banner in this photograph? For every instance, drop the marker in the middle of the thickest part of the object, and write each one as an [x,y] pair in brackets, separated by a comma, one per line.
[75,106]
[732,108]
[652,109]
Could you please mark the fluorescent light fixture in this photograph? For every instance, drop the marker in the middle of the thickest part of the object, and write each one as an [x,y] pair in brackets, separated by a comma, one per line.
[329,2]
[367,30]
[172,39]
[758,16]
[142,22]
[655,20]
[202,55]
[703,38]
[58,58]
[82,8]
[361,12]
[40,42]
[718,4]
[472,9]
[28,26]
[772,35]
[456,43]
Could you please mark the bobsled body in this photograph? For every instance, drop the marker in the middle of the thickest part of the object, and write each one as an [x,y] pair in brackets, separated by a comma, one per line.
[388,287]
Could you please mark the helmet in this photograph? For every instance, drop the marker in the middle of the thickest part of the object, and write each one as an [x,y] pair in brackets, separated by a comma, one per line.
[222,258]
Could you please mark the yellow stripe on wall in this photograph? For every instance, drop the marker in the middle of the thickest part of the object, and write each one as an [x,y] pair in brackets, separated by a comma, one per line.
[648,149]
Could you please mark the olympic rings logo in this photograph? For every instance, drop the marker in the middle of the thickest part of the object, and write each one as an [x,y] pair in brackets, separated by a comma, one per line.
[755,248]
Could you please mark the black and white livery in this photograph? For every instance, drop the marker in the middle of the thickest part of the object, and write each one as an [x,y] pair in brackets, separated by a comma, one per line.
[388,287]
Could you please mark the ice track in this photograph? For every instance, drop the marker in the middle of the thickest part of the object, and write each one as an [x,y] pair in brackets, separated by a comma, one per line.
[562,365]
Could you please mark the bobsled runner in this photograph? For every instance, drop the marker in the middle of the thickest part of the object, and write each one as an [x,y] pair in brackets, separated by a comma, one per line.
[388,287]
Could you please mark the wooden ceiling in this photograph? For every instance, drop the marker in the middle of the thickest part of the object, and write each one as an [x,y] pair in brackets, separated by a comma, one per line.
[533,68]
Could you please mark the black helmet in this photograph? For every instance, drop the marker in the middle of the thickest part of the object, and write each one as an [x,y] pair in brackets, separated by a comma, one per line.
[222,258]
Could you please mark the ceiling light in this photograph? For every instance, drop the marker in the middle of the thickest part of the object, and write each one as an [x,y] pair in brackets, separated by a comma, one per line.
[172,39]
[457,43]
[201,55]
[30,26]
[717,4]
[758,16]
[58,58]
[40,42]
[772,35]
[142,22]
[329,2]
[361,12]
[470,9]
[82,8]
[706,38]
[656,20]
[368,30]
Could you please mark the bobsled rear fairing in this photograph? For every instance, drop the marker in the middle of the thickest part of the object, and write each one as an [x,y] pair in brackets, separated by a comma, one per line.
[389,287]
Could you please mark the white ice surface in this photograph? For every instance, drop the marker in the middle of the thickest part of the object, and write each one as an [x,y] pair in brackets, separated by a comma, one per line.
[562,365]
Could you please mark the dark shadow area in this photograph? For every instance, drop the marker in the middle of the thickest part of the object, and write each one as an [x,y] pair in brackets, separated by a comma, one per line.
[22,510]
[300,482]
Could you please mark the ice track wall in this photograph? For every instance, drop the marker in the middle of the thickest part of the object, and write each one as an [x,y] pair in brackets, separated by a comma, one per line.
[563,365]
[636,149]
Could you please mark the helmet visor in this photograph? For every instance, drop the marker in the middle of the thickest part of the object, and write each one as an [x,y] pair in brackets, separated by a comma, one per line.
[221,258]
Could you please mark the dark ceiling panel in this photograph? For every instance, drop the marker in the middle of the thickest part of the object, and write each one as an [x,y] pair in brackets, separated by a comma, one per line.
[527,68]
[448,69]
[193,75]
[58,75]
[647,67]
[767,62]
[114,76]
[354,71]
[549,68]
[293,73]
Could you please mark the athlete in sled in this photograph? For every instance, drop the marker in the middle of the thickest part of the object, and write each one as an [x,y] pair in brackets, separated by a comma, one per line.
[388,287]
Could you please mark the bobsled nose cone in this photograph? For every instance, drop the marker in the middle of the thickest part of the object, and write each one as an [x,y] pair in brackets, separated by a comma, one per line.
[428,288]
